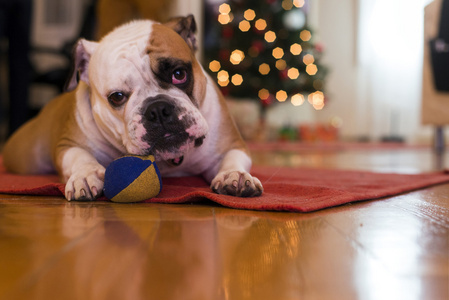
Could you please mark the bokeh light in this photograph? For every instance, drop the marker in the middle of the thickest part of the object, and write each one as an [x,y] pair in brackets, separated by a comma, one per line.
[264,69]
[295,49]
[270,36]
[278,53]
[249,14]
[237,79]
[293,73]
[261,24]
[297,99]
[305,35]
[244,26]
[236,57]
[263,94]
[214,66]
[281,96]
[311,69]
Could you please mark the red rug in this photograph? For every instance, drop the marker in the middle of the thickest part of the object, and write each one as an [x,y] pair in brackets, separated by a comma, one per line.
[299,190]
[325,147]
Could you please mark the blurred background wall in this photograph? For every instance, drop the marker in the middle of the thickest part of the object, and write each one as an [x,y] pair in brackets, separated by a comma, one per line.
[372,48]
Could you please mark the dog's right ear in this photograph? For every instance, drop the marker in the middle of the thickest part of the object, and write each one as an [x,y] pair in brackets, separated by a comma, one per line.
[83,50]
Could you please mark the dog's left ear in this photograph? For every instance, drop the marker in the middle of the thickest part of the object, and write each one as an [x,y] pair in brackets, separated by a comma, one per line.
[82,52]
[186,28]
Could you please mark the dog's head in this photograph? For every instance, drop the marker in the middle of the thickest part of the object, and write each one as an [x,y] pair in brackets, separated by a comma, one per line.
[146,87]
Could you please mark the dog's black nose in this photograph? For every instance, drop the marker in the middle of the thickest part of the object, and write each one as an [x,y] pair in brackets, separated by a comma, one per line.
[160,113]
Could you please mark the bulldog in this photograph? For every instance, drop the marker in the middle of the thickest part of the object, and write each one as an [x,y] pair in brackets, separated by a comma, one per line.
[139,91]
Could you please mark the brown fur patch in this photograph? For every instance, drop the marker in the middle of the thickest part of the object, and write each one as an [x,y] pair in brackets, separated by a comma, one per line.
[166,43]
[231,138]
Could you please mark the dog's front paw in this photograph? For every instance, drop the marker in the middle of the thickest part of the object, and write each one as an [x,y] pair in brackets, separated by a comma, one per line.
[235,183]
[85,184]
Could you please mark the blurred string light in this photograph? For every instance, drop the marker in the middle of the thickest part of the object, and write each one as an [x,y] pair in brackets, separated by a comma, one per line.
[317,100]
[293,73]
[237,79]
[224,9]
[264,94]
[223,78]
[287,4]
[281,96]
[264,69]
[297,99]
[224,19]
[308,59]
[225,15]
[261,24]
[278,53]
[295,49]
[281,64]
[298,3]
[244,25]
[249,15]
[214,66]
[236,57]
[270,36]
[305,35]
[311,69]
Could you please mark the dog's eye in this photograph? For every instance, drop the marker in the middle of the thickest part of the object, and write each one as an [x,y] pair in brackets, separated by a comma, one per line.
[117,98]
[179,76]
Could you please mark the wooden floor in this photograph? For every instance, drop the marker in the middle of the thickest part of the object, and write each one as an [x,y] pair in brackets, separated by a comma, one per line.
[395,248]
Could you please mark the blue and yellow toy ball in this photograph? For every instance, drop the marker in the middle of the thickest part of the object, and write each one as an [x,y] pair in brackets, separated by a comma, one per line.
[132,179]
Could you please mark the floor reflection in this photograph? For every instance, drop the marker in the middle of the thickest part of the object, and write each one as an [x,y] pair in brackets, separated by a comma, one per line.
[393,262]
[186,254]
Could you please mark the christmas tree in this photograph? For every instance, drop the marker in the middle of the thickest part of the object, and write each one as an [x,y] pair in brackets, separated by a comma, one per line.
[264,50]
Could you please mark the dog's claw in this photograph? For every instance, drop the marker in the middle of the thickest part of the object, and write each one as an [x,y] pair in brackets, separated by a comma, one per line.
[69,196]
[236,183]
[94,191]
[85,184]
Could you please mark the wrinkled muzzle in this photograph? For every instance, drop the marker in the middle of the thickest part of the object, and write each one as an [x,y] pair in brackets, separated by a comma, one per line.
[172,128]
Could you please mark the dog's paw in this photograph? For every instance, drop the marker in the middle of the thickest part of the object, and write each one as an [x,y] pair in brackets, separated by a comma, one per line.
[85,184]
[235,183]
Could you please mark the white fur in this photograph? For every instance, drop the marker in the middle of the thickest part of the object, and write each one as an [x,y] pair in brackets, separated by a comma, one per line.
[83,174]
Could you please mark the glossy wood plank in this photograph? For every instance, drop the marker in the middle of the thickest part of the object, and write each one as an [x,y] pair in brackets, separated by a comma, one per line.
[395,248]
